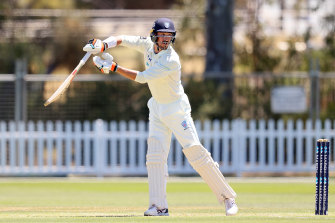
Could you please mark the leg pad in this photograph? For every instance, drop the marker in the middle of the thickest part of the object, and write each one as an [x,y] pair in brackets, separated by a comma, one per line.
[157,173]
[201,160]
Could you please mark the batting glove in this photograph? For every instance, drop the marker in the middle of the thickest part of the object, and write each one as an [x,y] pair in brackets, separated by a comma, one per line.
[95,46]
[106,64]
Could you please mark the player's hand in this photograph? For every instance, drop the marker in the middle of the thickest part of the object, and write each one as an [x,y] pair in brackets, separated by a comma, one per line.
[95,46]
[106,64]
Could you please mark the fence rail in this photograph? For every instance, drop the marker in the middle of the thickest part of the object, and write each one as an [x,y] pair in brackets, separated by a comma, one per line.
[118,148]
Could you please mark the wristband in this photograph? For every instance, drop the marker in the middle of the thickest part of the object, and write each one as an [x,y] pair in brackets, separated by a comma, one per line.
[111,42]
[104,47]
[114,67]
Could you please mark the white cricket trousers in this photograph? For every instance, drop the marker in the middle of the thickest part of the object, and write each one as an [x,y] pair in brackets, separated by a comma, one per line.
[175,118]
[165,119]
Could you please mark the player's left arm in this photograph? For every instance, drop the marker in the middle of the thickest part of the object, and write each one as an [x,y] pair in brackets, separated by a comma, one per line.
[107,65]
[158,70]
[128,73]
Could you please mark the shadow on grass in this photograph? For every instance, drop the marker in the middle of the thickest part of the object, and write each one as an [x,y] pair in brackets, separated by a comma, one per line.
[102,216]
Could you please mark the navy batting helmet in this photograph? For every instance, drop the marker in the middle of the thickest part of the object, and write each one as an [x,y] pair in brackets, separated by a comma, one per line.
[162,25]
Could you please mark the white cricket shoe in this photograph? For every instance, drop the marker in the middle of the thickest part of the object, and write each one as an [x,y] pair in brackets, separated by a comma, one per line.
[154,211]
[231,207]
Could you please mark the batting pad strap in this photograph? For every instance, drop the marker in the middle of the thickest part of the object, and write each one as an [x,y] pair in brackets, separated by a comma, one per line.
[201,160]
[155,152]
[157,173]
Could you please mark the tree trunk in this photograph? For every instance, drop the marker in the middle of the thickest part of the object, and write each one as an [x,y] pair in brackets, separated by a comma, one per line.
[219,59]
[219,23]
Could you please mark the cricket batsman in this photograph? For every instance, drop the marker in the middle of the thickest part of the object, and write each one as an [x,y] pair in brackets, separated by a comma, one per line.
[170,112]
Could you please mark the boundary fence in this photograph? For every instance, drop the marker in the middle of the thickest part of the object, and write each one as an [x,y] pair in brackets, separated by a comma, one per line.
[103,148]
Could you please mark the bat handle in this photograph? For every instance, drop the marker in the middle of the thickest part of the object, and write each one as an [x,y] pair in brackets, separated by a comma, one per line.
[83,61]
[85,58]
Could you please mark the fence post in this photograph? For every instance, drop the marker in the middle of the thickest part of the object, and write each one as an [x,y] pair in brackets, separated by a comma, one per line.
[12,145]
[236,150]
[242,127]
[20,90]
[98,147]
[3,149]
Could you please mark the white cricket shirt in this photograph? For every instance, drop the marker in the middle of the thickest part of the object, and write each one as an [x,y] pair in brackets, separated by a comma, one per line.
[163,70]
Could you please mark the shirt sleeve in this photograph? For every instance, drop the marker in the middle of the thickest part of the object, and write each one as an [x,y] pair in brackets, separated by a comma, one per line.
[158,70]
[136,42]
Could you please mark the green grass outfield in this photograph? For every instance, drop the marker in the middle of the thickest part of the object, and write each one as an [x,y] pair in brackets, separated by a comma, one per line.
[91,200]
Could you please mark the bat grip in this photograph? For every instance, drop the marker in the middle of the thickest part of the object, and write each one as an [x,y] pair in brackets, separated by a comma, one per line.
[83,61]
[85,58]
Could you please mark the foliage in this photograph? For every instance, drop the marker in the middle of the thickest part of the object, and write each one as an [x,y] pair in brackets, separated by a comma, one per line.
[60,51]
[45,4]
[208,99]
[259,53]
[327,55]
[121,100]
[191,39]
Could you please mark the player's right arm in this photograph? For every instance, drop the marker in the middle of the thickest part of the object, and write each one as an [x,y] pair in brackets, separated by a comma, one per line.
[136,42]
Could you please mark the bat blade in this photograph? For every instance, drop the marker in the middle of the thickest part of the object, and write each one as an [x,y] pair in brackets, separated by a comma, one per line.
[62,88]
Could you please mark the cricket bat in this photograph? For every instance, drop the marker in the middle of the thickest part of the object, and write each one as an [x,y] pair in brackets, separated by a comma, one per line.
[62,88]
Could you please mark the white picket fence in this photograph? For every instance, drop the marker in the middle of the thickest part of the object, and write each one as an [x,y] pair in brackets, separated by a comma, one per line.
[102,148]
